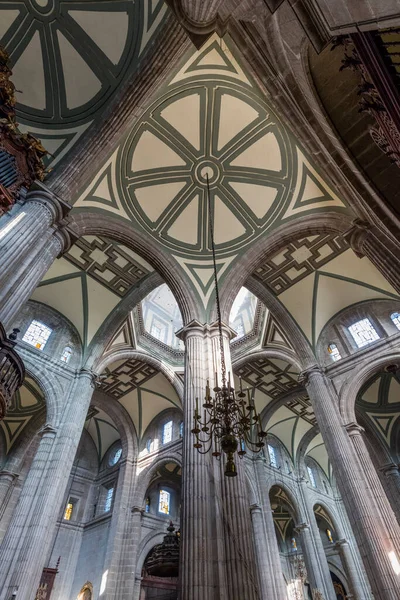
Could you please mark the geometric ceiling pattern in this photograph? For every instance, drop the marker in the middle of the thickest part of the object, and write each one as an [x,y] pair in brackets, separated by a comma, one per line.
[69,58]
[141,389]
[87,284]
[27,402]
[317,277]
[258,175]
[379,403]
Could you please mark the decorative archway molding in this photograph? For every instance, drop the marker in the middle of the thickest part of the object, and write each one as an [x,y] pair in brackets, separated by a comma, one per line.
[144,477]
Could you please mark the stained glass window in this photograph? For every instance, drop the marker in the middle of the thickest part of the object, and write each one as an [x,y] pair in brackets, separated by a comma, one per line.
[109,499]
[66,355]
[334,352]
[114,456]
[37,335]
[311,476]
[68,511]
[396,319]
[363,332]
[163,504]
[167,433]
[272,456]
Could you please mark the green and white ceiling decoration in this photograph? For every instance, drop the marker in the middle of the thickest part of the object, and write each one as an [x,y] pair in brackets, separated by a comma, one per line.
[69,57]
[259,176]
[141,389]
[379,404]
[26,404]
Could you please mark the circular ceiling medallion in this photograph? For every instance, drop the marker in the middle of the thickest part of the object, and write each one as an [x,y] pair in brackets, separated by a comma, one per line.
[217,129]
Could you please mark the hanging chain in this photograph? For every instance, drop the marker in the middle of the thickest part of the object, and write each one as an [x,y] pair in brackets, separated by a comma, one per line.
[221,339]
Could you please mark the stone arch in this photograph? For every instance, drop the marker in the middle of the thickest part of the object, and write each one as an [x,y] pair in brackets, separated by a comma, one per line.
[330,510]
[158,364]
[117,317]
[90,223]
[146,544]
[123,421]
[360,376]
[291,494]
[145,476]
[302,448]
[327,222]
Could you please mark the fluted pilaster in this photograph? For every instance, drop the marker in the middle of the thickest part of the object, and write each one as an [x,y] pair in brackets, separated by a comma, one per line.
[27,541]
[391,474]
[373,538]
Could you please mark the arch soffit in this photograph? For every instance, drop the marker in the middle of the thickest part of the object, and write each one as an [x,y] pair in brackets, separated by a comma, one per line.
[324,222]
[116,319]
[359,377]
[122,420]
[160,365]
[291,494]
[331,511]
[302,447]
[90,223]
[18,452]
[147,543]
[146,474]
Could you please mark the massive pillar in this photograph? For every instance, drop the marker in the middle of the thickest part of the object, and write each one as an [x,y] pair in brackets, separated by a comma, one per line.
[377,548]
[26,544]
[217,558]
[30,240]
[356,588]
[314,553]
[391,473]
[272,584]
[199,544]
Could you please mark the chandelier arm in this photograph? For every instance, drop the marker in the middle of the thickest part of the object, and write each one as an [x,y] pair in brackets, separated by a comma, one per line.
[221,339]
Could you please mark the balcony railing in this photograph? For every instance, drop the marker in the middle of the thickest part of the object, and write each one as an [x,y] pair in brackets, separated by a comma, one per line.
[12,370]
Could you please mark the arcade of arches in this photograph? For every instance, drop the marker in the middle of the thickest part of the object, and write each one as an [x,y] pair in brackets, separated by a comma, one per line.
[292,110]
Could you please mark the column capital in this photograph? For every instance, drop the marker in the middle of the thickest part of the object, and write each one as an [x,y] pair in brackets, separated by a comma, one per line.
[137,509]
[389,469]
[67,238]
[192,329]
[305,376]
[357,235]
[354,428]
[302,527]
[9,475]
[228,331]
[47,430]
[41,194]
[340,543]
[255,508]
[91,375]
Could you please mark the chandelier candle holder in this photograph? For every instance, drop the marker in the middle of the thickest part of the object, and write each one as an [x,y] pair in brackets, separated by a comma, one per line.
[230,420]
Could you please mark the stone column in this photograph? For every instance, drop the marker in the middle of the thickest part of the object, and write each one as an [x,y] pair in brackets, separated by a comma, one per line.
[314,552]
[22,284]
[355,433]
[373,538]
[272,583]
[316,564]
[29,228]
[7,482]
[27,542]
[199,553]
[198,14]
[356,588]
[239,550]
[392,475]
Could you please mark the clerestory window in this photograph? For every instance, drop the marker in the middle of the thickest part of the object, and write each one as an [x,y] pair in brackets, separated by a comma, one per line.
[37,335]
[363,333]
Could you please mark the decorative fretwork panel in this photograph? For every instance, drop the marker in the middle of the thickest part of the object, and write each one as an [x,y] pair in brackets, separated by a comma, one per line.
[107,262]
[267,377]
[299,259]
[301,406]
[126,377]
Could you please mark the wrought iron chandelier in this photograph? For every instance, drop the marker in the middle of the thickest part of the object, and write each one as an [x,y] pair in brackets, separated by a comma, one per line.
[230,420]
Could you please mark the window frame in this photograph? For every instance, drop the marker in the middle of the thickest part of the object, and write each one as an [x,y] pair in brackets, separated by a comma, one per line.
[109,499]
[37,344]
[311,477]
[334,352]
[168,496]
[170,425]
[273,460]
[69,350]
[395,318]
[354,333]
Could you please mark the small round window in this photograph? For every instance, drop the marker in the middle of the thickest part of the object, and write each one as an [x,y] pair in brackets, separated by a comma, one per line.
[114,457]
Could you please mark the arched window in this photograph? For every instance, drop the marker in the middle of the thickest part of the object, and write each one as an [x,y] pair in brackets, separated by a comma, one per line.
[109,499]
[148,445]
[181,429]
[37,335]
[167,432]
[163,502]
[396,319]
[147,505]
[363,333]
[272,456]
[334,352]
[66,354]
[114,456]
[311,476]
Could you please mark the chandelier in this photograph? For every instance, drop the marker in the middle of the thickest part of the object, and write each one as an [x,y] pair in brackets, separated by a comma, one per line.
[230,422]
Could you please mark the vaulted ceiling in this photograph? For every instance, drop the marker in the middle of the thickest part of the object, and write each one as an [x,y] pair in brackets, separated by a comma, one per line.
[69,58]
